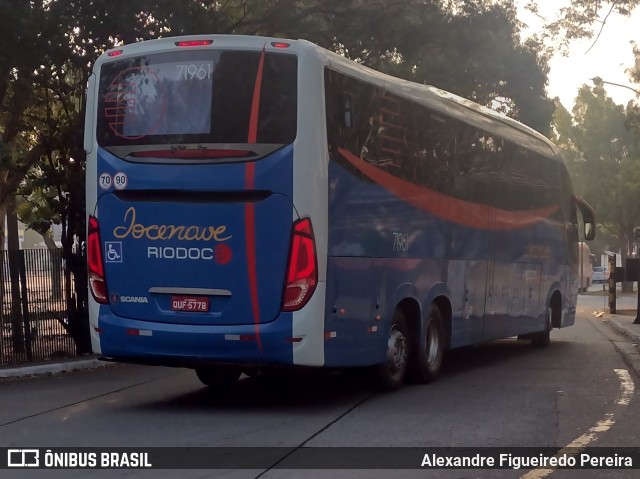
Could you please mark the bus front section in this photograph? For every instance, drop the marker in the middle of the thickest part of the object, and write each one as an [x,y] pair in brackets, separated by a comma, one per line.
[197,255]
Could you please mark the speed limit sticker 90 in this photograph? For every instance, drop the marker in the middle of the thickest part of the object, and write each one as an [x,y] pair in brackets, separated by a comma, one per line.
[105,181]
[120,181]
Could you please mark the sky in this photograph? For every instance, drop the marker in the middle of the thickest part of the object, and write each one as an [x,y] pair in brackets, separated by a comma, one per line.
[608,58]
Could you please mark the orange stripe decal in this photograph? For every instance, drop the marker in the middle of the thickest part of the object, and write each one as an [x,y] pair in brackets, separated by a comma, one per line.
[252,271]
[249,208]
[255,103]
[465,213]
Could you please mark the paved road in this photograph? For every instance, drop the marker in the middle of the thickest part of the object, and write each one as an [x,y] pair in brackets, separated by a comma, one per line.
[502,394]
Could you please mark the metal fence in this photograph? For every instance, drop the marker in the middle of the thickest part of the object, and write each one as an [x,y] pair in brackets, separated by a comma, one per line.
[33,312]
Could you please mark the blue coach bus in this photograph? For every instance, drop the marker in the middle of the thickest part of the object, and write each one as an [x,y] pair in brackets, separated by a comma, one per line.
[256,202]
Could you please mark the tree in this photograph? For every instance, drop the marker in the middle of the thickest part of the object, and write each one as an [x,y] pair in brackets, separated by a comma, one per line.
[20,146]
[583,18]
[477,53]
[634,72]
[601,151]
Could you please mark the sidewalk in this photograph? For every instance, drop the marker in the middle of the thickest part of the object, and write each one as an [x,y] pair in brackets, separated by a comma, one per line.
[53,367]
[623,322]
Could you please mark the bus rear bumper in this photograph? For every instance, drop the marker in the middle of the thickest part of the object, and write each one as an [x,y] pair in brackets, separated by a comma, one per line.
[155,343]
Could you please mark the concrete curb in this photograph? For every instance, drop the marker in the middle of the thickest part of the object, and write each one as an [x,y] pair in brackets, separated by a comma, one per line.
[52,368]
[624,328]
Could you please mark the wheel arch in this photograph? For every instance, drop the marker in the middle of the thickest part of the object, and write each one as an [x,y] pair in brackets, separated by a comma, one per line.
[414,311]
[444,305]
[554,302]
[441,297]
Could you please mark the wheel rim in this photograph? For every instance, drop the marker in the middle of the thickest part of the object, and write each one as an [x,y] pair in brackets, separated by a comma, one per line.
[433,343]
[396,352]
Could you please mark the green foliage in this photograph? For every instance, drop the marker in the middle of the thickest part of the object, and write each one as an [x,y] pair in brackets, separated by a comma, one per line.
[635,70]
[479,55]
[601,151]
[472,48]
[586,19]
[582,18]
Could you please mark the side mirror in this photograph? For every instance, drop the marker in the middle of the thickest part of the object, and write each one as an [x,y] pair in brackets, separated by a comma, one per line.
[588,217]
[347,109]
[589,231]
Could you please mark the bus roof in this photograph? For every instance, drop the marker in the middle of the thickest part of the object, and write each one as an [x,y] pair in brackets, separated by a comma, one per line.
[448,104]
[434,98]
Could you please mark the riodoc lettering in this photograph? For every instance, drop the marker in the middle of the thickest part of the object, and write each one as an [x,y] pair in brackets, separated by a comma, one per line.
[169,252]
[156,232]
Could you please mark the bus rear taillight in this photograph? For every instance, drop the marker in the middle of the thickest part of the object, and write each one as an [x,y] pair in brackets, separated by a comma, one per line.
[97,283]
[302,272]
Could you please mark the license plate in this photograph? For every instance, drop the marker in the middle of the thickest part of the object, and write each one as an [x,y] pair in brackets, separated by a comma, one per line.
[190,303]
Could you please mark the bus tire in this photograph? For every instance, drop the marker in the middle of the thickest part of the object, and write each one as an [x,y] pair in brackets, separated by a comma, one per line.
[390,374]
[543,338]
[428,352]
[220,378]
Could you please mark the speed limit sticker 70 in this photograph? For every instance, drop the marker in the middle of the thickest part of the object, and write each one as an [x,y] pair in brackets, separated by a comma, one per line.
[120,181]
[105,181]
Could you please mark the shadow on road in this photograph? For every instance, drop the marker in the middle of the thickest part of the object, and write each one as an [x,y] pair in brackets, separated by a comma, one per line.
[498,353]
[330,388]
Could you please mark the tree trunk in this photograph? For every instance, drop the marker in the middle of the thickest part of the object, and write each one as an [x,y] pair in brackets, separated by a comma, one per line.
[627,286]
[13,248]
[56,267]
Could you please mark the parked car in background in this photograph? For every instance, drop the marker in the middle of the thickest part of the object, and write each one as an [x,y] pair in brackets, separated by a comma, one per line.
[600,275]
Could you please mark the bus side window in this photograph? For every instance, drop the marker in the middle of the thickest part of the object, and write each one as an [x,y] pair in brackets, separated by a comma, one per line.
[479,160]
[432,155]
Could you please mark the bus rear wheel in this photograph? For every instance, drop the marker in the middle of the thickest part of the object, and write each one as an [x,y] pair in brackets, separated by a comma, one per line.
[391,372]
[428,352]
[219,378]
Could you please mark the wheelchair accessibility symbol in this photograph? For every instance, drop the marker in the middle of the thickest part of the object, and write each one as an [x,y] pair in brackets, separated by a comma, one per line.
[113,252]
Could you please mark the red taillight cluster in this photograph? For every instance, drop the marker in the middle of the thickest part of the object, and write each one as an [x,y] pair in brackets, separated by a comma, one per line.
[302,273]
[97,283]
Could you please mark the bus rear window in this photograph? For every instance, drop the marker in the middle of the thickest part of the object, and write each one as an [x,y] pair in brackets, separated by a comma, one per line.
[197,97]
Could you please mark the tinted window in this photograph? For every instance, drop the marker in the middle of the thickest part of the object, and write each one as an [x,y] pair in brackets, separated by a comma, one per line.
[196,97]
[432,150]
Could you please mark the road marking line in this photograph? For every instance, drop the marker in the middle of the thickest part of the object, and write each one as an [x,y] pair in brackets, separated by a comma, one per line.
[576,446]
[627,387]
